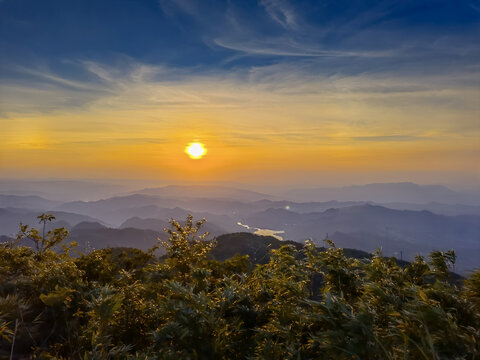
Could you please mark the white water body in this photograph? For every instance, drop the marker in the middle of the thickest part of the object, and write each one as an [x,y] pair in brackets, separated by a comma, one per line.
[264,232]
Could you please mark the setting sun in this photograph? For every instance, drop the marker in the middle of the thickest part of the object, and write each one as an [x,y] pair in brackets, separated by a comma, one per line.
[195,150]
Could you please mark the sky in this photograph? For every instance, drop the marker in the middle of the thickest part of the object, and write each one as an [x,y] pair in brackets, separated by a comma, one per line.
[279,91]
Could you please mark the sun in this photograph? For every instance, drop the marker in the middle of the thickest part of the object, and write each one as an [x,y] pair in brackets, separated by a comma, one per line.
[195,150]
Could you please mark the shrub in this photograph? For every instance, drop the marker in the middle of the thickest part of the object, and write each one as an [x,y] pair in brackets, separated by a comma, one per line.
[302,304]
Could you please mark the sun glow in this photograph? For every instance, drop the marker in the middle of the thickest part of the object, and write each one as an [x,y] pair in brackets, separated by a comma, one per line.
[195,150]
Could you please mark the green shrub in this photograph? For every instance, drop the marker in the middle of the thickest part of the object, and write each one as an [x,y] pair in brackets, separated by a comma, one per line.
[302,304]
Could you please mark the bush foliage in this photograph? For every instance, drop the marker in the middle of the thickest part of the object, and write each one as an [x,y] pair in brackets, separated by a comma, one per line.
[302,304]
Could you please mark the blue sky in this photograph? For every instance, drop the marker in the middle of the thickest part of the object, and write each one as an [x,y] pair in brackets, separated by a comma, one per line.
[410,36]
[341,76]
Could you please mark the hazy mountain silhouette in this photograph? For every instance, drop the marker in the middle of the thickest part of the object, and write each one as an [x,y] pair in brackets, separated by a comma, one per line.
[437,208]
[88,225]
[61,190]
[26,202]
[159,225]
[205,191]
[152,224]
[10,219]
[89,239]
[112,204]
[352,218]
[419,226]
[117,210]
[386,192]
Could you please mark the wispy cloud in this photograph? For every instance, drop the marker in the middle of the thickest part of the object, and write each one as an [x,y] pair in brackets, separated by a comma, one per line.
[336,106]
[286,30]
[389,138]
[263,119]
[281,12]
[289,47]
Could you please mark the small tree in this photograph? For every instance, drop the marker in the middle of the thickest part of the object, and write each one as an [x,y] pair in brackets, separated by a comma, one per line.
[185,248]
[43,241]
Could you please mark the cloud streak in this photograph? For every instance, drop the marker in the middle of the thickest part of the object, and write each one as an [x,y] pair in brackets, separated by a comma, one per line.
[138,116]
[340,103]
[388,138]
[281,12]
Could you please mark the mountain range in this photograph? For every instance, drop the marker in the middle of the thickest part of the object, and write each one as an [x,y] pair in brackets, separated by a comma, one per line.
[368,227]
[403,226]
[386,192]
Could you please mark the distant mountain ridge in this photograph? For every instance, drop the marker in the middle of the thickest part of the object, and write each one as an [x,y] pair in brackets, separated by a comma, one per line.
[368,217]
[204,191]
[375,226]
[26,201]
[113,203]
[89,239]
[88,225]
[61,190]
[10,218]
[386,192]
[160,225]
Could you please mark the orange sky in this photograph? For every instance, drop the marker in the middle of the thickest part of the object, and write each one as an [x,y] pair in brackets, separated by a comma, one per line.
[281,91]
[291,126]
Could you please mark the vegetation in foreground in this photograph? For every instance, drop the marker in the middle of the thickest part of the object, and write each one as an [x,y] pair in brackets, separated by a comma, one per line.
[302,304]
